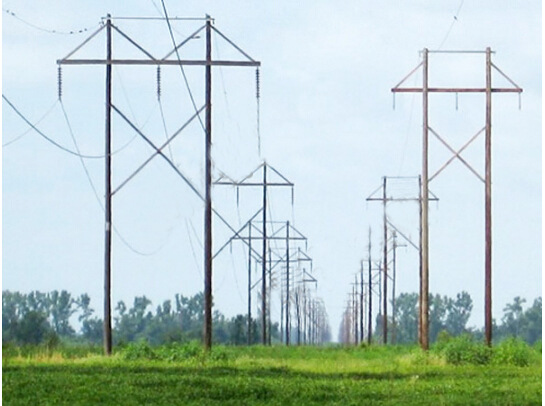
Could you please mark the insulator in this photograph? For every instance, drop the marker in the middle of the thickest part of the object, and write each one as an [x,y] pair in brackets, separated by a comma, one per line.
[257,84]
[59,81]
[158,82]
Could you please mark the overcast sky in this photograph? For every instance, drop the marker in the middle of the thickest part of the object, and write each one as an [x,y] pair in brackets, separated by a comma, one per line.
[327,123]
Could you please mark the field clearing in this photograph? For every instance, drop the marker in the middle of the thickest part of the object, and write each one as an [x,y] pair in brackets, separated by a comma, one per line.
[274,376]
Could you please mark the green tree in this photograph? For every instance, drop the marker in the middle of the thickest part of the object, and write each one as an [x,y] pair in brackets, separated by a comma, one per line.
[458,313]
[33,328]
[406,318]
[61,308]
[513,320]
[531,327]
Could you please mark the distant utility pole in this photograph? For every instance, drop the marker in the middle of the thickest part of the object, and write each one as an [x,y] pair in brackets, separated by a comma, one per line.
[288,258]
[370,298]
[247,181]
[395,246]
[151,60]
[487,180]
[361,303]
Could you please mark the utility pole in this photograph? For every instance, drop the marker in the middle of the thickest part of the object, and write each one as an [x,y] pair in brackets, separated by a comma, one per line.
[153,61]
[370,283]
[361,302]
[287,283]
[487,180]
[250,284]
[208,194]
[385,261]
[395,246]
[264,263]
[108,198]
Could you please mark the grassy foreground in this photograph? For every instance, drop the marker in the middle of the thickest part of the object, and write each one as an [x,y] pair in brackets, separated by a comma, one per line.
[260,375]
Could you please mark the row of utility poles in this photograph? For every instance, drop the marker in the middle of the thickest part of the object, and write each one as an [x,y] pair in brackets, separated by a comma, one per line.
[313,312]
[279,266]
[424,179]
[425,196]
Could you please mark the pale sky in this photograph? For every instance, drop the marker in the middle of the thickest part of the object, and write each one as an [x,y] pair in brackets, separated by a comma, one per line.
[327,123]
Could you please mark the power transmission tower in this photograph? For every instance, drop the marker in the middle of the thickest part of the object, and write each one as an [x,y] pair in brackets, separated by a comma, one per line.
[386,198]
[487,180]
[149,59]
[264,184]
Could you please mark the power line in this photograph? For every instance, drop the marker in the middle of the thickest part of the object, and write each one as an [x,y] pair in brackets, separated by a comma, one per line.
[49,30]
[45,136]
[17,138]
[95,192]
[181,66]
[41,133]
[454,20]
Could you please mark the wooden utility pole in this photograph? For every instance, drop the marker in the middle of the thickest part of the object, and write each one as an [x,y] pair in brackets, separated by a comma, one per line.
[108,198]
[385,266]
[250,284]
[264,263]
[370,298]
[287,283]
[361,303]
[487,180]
[488,204]
[424,313]
[208,194]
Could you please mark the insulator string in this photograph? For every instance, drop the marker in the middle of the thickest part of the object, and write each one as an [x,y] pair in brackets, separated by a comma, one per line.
[258,96]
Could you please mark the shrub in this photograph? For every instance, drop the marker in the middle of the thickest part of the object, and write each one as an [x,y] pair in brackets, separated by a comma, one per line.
[464,350]
[443,338]
[513,351]
[138,351]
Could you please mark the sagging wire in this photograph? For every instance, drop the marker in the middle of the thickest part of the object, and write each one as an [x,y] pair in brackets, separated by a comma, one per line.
[30,128]
[48,30]
[454,20]
[96,194]
[197,264]
[45,136]
[192,98]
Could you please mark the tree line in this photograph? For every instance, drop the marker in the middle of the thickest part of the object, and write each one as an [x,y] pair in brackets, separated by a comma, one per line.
[39,317]
[450,316]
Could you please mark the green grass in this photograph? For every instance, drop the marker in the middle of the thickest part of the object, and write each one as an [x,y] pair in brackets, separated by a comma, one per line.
[273,376]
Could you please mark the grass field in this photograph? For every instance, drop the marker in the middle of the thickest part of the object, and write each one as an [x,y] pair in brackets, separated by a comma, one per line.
[260,375]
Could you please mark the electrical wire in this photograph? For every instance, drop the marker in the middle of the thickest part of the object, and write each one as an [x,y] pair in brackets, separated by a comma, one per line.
[181,66]
[454,20]
[17,138]
[45,136]
[165,128]
[48,30]
[197,264]
[41,133]
[95,192]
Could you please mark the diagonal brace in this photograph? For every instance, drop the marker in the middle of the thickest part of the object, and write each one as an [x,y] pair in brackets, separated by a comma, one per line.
[457,154]
[159,150]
